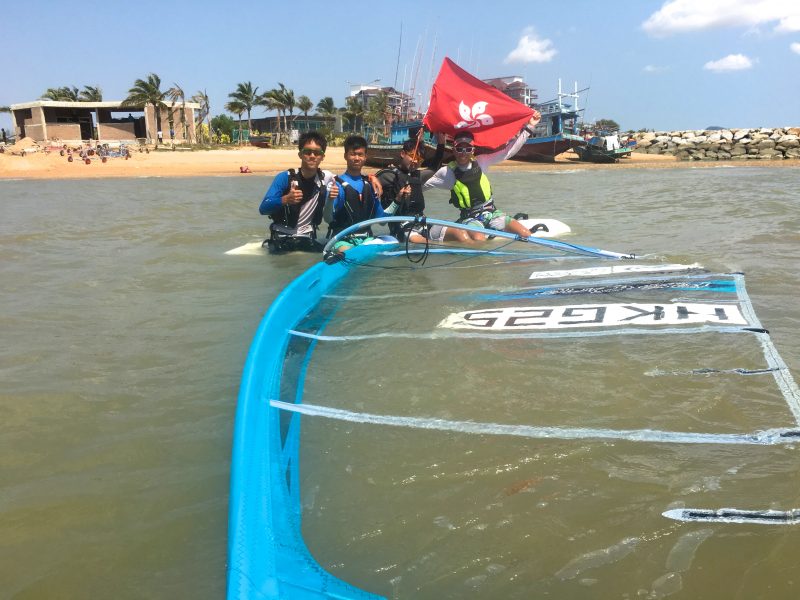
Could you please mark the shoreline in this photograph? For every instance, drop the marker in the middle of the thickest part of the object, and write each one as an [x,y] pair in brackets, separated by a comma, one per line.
[270,161]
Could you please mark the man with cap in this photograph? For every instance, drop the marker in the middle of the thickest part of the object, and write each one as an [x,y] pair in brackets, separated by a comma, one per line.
[470,190]
[402,192]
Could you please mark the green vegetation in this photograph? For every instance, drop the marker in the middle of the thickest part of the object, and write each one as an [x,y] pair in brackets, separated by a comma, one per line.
[607,124]
[224,125]
[204,132]
[245,97]
[176,93]
[148,91]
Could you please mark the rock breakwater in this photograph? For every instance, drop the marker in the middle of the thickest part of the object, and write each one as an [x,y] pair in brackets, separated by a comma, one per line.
[776,143]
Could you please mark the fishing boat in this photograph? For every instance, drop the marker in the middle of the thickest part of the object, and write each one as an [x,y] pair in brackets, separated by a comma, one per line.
[604,148]
[557,131]
[384,154]
[330,395]
[260,141]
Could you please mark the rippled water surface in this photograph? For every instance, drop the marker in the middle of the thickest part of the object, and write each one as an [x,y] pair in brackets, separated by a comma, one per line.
[125,328]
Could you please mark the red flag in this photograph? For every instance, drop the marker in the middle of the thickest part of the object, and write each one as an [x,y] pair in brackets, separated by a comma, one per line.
[460,101]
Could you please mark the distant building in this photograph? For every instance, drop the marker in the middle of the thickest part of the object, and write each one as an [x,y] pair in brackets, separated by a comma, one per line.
[514,87]
[400,105]
[49,120]
[299,123]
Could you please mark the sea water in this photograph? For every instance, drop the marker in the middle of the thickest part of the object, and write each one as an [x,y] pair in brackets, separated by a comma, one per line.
[125,328]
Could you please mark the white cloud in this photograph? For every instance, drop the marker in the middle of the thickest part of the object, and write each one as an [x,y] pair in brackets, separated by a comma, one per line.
[679,16]
[654,69]
[795,47]
[531,48]
[732,62]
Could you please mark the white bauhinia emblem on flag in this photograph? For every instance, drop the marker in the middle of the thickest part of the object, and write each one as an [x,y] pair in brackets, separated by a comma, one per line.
[475,117]
[462,102]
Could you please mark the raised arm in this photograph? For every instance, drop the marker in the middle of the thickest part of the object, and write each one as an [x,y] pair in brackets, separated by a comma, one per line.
[443,179]
[514,146]
[334,197]
[435,161]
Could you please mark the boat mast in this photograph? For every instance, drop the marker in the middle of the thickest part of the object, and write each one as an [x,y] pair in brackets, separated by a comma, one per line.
[399,46]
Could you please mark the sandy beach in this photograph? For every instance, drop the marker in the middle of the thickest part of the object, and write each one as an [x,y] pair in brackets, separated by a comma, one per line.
[261,161]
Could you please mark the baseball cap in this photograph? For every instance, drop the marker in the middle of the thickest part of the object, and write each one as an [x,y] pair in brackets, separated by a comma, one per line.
[462,137]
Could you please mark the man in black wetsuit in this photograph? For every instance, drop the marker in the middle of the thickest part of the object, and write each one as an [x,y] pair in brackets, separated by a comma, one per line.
[402,192]
[295,199]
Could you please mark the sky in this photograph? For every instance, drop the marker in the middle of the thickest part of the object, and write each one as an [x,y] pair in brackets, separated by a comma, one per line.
[663,65]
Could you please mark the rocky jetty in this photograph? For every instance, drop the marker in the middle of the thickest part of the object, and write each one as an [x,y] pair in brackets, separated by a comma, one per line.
[776,143]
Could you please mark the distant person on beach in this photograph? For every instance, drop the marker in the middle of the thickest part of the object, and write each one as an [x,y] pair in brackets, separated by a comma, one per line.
[403,196]
[357,198]
[295,199]
[470,190]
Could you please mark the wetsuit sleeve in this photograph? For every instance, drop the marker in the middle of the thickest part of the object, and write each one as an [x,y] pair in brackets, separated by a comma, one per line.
[379,212]
[272,199]
[388,180]
[331,206]
[487,160]
[435,161]
[443,179]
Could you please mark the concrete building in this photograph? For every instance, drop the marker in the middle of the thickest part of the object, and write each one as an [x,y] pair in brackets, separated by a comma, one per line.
[514,87]
[400,105]
[49,120]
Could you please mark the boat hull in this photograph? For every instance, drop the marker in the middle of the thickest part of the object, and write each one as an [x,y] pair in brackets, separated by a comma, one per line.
[260,141]
[598,155]
[384,155]
[545,149]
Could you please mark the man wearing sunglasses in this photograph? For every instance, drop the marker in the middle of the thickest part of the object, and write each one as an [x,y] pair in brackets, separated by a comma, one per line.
[470,190]
[402,191]
[295,199]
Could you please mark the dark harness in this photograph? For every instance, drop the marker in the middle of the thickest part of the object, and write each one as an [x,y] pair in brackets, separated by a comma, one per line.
[356,207]
[283,235]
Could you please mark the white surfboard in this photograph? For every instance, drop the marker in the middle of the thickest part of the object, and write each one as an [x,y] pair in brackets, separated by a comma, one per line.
[555,228]
[249,249]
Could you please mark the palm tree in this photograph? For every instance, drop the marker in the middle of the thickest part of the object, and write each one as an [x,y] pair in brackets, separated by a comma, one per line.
[237,108]
[289,103]
[176,93]
[304,104]
[146,92]
[353,112]
[376,113]
[201,97]
[93,94]
[274,100]
[62,94]
[327,108]
[247,96]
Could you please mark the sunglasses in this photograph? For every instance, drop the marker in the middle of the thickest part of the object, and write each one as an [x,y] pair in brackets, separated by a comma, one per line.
[464,149]
[311,152]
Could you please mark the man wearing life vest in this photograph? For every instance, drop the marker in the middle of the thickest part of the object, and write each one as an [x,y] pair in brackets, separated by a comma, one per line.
[295,199]
[357,197]
[402,190]
[470,190]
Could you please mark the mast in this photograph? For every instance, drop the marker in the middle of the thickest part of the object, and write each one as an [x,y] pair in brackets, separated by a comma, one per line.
[418,59]
[399,46]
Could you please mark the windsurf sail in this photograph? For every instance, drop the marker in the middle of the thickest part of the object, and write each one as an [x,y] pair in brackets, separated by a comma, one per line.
[377,355]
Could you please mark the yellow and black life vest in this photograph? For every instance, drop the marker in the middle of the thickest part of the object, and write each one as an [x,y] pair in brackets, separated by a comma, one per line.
[472,187]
